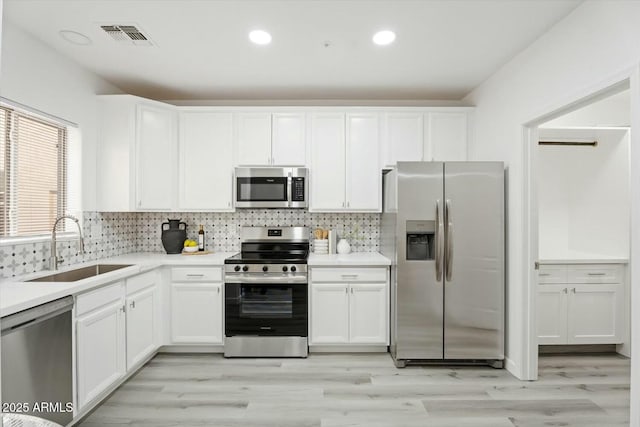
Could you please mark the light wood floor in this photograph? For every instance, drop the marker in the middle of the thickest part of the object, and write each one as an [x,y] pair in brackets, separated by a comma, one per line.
[366,390]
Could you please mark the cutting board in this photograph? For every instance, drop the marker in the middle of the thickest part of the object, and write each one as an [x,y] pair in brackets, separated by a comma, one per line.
[197,253]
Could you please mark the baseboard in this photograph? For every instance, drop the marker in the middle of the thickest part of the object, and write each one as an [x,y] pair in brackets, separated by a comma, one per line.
[192,348]
[511,366]
[348,349]
[576,348]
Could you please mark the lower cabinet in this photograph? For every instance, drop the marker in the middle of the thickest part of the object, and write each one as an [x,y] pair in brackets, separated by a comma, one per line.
[196,305]
[101,358]
[349,306]
[116,329]
[575,312]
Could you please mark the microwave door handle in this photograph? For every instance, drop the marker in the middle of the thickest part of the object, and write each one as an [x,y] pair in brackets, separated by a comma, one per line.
[289,185]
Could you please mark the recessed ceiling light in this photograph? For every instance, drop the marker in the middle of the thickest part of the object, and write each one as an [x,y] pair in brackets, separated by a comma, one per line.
[384,38]
[75,37]
[260,37]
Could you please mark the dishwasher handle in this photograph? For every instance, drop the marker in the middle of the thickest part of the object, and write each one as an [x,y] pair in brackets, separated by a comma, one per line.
[32,316]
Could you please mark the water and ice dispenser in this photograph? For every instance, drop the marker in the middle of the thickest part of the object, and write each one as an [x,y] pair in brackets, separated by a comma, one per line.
[420,240]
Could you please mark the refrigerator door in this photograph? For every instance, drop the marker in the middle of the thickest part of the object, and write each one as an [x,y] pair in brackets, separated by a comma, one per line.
[419,233]
[474,260]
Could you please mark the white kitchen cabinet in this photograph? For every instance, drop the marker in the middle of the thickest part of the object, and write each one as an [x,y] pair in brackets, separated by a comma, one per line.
[206,161]
[197,305]
[142,304]
[363,175]
[367,301]
[289,142]
[403,137]
[552,314]
[447,136]
[329,313]
[345,165]
[136,154]
[266,139]
[100,329]
[349,306]
[253,143]
[587,307]
[328,157]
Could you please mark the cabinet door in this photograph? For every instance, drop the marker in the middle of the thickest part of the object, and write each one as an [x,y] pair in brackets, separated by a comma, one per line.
[206,161]
[403,139]
[329,313]
[364,177]
[328,162]
[254,139]
[142,308]
[196,313]
[447,138]
[368,313]
[289,142]
[552,314]
[155,158]
[101,350]
[595,314]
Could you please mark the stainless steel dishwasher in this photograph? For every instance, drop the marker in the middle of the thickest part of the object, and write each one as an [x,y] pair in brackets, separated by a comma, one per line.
[37,361]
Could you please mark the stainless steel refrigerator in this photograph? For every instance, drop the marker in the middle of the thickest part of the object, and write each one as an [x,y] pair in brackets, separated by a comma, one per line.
[443,228]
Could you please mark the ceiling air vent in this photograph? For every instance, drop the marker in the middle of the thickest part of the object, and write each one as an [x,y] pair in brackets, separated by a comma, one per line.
[129,34]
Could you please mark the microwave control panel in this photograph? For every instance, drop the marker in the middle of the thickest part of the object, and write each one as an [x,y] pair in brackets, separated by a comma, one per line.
[297,189]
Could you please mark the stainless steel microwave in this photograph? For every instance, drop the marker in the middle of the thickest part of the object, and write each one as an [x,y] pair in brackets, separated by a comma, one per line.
[271,188]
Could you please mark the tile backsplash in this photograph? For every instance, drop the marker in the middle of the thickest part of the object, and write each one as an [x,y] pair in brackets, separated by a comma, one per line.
[108,234]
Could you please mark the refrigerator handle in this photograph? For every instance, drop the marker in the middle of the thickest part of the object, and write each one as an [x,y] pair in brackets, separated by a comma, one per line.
[439,242]
[448,241]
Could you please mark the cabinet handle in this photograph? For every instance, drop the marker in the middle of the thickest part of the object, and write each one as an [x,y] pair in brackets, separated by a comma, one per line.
[218,290]
[596,274]
[133,304]
[544,274]
[195,275]
[564,290]
[349,276]
[573,290]
[123,308]
[343,204]
[346,290]
[351,290]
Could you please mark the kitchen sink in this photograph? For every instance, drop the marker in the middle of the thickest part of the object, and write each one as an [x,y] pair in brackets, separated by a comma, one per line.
[80,273]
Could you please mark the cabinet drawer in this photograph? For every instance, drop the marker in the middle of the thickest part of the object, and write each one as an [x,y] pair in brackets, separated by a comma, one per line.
[350,275]
[98,298]
[141,281]
[552,274]
[595,273]
[196,274]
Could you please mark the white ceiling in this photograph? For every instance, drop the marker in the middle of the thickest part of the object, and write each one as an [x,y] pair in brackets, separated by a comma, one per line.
[443,48]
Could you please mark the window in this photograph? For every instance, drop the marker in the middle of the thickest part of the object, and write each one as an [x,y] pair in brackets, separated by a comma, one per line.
[33,173]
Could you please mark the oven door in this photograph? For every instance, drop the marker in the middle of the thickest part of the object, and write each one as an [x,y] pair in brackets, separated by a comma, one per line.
[266,309]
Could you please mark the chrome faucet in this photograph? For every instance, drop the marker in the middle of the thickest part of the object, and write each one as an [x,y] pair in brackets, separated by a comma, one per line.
[54,260]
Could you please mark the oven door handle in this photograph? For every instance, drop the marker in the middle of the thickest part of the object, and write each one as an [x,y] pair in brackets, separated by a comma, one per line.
[267,280]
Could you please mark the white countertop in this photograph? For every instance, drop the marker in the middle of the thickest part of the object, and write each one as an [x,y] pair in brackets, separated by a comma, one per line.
[17,295]
[364,259]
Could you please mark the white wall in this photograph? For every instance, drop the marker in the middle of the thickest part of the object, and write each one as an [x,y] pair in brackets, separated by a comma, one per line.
[611,111]
[596,43]
[35,75]
[583,195]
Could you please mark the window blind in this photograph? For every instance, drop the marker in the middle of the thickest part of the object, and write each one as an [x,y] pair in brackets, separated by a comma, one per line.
[33,175]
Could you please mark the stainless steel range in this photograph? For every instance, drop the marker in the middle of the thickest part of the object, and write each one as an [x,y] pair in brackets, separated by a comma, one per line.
[266,294]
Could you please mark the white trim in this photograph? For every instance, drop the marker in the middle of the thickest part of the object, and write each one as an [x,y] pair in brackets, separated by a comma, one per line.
[34,112]
[512,367]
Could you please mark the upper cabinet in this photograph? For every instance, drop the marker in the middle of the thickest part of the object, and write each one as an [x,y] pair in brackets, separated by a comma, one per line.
[265,139]
[206,161]
[436,134]
[136,154]
[345,173]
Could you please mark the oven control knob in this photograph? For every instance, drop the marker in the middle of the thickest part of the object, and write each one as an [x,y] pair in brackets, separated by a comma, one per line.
[293,268]
[265,268]
[245,268]
[284,269]
[236,268]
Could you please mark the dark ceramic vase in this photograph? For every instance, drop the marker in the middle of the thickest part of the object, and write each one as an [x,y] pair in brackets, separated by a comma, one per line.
[174,233]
